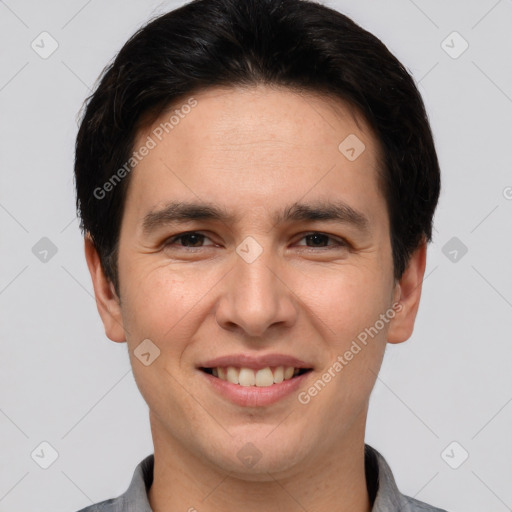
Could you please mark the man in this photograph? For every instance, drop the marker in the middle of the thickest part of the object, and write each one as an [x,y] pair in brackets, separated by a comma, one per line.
[256,181]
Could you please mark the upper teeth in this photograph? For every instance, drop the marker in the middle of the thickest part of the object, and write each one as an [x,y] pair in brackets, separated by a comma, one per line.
[249,377]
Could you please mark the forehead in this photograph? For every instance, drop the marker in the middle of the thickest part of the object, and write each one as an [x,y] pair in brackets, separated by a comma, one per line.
[258,114]
[255,146]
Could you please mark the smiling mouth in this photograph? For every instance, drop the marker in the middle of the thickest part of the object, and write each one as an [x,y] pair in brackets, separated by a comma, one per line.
[263,377]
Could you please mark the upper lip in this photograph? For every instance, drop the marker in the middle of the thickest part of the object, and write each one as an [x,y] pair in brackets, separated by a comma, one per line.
[255,362]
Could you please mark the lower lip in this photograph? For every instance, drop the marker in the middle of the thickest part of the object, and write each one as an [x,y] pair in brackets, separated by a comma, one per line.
[255,396]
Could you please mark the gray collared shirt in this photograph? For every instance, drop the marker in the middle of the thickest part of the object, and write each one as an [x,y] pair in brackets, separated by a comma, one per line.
[382,489]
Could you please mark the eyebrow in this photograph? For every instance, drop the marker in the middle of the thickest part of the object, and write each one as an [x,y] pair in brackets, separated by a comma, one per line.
[179,211]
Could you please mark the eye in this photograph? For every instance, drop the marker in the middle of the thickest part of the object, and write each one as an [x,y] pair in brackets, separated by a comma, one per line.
[196,240]
[192,239]
[321,240]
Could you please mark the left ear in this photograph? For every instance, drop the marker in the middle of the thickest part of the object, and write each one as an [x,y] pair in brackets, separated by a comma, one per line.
[408,293]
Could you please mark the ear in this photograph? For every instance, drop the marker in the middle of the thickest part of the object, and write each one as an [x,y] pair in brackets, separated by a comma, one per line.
[106,297]
[408,293]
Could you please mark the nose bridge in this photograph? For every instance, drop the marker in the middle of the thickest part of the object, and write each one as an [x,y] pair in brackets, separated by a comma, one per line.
[255,298]
[255,282]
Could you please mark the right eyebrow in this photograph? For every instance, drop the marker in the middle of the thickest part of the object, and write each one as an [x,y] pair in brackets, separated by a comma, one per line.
[182,212]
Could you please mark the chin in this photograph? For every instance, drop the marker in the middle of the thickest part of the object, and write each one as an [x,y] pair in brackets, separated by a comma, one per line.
[258,457]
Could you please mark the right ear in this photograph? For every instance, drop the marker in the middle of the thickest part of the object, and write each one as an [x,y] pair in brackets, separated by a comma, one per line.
[107,300]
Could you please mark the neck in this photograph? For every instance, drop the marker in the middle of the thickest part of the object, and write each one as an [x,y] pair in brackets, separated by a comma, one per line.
[332,480]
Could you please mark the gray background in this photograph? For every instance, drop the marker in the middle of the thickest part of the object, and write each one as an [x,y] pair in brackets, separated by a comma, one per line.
[63,382]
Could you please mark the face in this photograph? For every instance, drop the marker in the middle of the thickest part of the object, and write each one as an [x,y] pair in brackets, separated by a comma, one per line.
[251,239]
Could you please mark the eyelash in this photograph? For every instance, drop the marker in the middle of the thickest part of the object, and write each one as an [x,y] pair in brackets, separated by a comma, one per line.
[339,242]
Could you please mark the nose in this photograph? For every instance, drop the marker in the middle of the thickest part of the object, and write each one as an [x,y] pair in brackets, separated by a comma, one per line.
[256,296]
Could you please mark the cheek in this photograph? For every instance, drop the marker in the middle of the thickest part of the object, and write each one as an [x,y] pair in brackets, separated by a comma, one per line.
[353,339]
[345,300]
[162,305]
[166,304]
[349,306]
[358,313]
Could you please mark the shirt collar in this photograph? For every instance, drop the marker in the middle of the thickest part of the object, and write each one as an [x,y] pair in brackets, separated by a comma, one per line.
[383,491]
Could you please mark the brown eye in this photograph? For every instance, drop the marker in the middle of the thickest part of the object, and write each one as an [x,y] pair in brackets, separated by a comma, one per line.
[191,239]
[321,240]
[317,239]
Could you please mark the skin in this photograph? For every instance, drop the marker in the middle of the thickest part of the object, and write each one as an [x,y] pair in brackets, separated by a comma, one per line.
[254,151]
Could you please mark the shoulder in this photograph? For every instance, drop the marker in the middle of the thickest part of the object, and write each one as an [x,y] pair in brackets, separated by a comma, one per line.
[111,505]
[135,499]
[414,505]
[120,504]
[381,482]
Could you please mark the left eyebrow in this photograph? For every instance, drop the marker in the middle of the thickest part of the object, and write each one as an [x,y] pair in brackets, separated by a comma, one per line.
[324,210]
[176,212]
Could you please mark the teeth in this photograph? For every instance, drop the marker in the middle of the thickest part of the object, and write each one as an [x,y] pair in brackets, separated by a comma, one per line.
[232,375]
[248,377]
[278,375]
[264,377]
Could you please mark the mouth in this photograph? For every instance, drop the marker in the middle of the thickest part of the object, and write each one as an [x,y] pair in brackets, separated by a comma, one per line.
[259,377]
